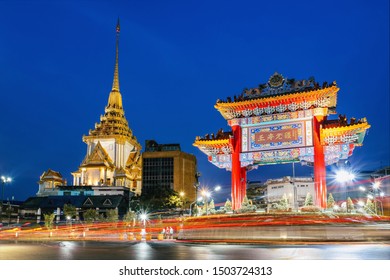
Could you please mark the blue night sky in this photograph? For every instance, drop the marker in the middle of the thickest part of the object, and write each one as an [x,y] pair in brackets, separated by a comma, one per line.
[176,59]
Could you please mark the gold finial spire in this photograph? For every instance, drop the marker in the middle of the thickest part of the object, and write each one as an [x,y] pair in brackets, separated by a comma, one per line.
[115,98]
[115,84]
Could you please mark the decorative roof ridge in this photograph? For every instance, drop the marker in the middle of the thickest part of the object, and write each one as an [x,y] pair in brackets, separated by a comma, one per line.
[240,101]
[211,142]
[51,171]
[220,135]
[347,127]
[96,149]
[342,122]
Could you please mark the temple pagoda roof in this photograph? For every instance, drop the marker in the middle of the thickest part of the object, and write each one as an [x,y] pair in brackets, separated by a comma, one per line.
[51,175]
[98,157]
[113,123]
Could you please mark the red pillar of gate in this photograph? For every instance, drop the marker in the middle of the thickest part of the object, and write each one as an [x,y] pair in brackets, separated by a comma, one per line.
[235,143]
[243,183]
[319,164]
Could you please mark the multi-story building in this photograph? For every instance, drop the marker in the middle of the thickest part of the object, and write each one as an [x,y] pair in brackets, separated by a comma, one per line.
[257,192]
[165,166]
[296,190]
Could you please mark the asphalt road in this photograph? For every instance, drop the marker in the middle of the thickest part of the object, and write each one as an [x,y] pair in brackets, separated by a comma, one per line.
[171,250]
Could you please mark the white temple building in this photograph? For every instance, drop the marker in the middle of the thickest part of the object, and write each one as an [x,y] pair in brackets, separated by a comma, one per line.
[113,157]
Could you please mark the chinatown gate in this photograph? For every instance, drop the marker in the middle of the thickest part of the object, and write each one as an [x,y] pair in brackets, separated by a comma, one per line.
[282,121]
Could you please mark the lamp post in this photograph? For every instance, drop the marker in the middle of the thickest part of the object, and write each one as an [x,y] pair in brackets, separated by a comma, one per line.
[143,218]
[4,180]
[191,207]
[294,188]
[205,195]
[182,200]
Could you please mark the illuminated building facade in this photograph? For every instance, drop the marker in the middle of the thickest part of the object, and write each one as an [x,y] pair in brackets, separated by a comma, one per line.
[295,190]
[110,173]
[113,153]
[49,183]
[282,121]
[165,166]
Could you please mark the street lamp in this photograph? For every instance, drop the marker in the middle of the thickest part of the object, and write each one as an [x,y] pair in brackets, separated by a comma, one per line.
[206,194]
[4,180]
[143,218]
[69,221]
[372,193]
[344,177]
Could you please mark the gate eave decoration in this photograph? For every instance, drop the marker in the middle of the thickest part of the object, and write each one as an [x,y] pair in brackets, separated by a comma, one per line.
[282,121]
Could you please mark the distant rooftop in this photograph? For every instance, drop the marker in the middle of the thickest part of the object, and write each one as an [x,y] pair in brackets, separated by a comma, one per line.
[153,146]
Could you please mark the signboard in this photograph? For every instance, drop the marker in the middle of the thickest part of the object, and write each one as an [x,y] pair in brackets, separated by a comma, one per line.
[277,136]
[268,137]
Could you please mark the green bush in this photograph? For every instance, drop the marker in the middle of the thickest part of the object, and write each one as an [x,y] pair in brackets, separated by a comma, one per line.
[310,208]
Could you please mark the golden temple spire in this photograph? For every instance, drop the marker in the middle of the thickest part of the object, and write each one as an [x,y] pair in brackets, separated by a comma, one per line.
[115,84]
[113,123]
[115,98]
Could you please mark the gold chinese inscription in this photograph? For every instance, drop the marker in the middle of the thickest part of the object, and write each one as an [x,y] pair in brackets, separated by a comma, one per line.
[285,135]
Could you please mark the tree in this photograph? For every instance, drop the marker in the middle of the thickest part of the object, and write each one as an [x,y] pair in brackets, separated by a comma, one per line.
[370,207]
[196,211]
[160,199]
[211,207]
[49,220]
[129,218]
[330,202]
[91,215]
[174,201]
[228,205]
[69,211]
[245,202]
[350,205]
[112,215]
[246,205]
[283,204]
[309,200]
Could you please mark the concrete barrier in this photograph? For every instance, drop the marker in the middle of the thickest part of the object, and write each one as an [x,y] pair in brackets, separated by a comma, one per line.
[377,232]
